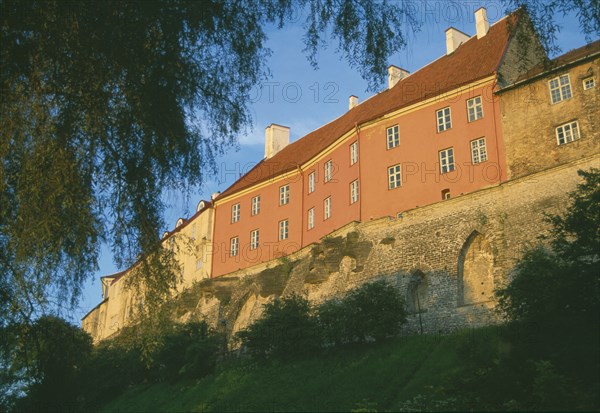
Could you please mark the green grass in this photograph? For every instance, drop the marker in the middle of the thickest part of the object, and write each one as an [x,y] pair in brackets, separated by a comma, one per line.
[380,376]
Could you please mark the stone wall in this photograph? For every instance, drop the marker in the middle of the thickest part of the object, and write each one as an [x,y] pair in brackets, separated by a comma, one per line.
[529,121]
[447,257]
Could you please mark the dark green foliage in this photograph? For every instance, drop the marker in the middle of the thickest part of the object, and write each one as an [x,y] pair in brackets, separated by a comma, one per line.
[371,311]
[180,352]
[374,310]
[290,328]
[553,304]
[45,360]
[110,370]
[189,351]
[562,284]
[287,329]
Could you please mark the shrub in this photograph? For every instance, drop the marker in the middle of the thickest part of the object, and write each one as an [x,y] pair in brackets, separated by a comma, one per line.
[371,311]
[287,329]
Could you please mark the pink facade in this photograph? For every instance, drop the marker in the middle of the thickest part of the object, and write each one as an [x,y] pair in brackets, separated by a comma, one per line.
[418,153]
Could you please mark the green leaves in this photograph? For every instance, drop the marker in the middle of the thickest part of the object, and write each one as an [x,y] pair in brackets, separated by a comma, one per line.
[290,327]
[562,284]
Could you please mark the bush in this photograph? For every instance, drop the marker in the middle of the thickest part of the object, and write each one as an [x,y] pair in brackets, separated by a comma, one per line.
[189,351]
[371,311]
[287,329]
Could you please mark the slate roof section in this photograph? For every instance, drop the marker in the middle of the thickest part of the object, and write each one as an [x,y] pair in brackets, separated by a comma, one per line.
[566,59]
[475,59]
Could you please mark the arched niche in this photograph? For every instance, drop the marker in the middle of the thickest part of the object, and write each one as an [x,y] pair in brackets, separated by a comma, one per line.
[416,293]
[475,271]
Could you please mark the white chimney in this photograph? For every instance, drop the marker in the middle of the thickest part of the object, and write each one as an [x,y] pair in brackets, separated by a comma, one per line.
[395,74]
[352,101]
[277,137]
[481,22]
[214,195]
[454,38]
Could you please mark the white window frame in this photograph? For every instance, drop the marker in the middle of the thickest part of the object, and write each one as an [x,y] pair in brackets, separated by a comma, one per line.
[327,208]
[353,153]
[255,209]
[284,195]
[236,211]
[354,191]
[283,230]
[567,132]
[328,170]
[393,136]
[234,246]
[474,109]
[589,83]
[254,239]
[311,218]
[394,176]
[478,151]
[444,119]
[560,89]
[311,181]
[447,160]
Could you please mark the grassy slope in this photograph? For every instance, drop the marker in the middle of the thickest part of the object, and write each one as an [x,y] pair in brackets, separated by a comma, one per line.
[379,376]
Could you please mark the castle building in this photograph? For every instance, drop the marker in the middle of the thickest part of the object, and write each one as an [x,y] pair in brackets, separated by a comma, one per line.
[432,135]
[191,243]
[491,110]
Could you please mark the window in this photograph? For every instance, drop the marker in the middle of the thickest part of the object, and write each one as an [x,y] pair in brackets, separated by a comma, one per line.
[474,109]
[560,88]
[198,265]
[328,170]
[193,232]
[284,195]
[478,151]
[393,137]
[447,160]
[588,83]
[255,205]
[327,208]
[394,177]
[283,230]
[254,239]
[443,119]
[354,153]
[311,182]
[234,246]
[445,194]
[311,218]
[354,191]
[235,213]
[567,133]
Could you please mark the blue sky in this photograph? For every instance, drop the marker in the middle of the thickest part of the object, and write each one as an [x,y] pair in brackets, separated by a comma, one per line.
[304,99]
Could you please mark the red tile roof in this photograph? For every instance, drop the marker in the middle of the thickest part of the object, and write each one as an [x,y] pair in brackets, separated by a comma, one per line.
[473,60]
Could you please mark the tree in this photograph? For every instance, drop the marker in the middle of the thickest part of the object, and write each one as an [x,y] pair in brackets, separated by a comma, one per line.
[561,281]
[107,104]
[44,360]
